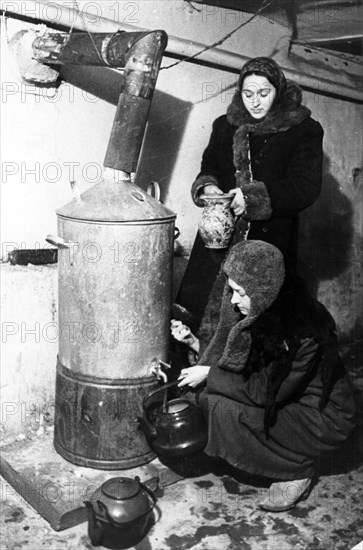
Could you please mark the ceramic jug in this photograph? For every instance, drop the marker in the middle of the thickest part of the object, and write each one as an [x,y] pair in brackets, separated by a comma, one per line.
[216,226]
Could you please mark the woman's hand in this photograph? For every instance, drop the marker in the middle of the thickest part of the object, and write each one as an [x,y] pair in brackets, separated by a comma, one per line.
[193,376]
[212,189]
[183,334]
[238,204]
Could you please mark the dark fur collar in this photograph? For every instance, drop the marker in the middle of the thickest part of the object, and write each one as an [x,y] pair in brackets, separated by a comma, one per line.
[286,112]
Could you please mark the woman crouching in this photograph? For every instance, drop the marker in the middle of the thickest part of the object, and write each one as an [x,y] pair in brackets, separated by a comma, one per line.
[276,392]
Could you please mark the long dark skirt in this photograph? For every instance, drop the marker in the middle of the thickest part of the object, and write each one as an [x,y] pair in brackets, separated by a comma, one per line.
[300,435]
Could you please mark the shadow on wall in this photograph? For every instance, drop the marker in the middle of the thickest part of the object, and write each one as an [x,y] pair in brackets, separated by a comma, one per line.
[326,233]
[163,137]
[330,247]
[350,455]
[98,81]
[165,128]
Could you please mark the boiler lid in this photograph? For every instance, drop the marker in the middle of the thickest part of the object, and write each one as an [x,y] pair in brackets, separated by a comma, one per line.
[110,201]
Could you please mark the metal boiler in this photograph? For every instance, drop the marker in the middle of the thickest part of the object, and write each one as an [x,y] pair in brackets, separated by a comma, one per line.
[115,273]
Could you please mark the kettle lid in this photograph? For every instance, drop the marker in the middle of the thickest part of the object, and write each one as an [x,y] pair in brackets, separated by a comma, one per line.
[120,488]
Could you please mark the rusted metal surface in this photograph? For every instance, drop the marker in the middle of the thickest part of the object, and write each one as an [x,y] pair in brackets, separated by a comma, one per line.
[30,70]
[79,48]
[342,80]
[95,421]
[115,282]
[114,297]
[115,274]
[141,72]
[114,311]
[140,53]
[127,132]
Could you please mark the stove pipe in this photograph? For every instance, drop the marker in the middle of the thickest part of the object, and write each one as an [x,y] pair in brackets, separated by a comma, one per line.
[115,277]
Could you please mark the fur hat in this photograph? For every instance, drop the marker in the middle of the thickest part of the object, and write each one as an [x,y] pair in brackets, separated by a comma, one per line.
[259,268]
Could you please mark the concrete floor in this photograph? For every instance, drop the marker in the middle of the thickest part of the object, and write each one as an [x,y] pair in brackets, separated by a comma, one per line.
[217,512]
[214,514]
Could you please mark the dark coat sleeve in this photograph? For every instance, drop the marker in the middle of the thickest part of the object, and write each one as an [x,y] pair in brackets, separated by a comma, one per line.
[300,187]
[253,391]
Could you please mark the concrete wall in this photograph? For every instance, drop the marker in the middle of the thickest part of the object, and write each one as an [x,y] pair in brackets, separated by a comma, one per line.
[29,347]
[331,243]
[50,140]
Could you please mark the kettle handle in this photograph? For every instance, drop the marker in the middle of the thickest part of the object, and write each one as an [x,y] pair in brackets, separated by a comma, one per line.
[146,426]
[165,387]
[149,492]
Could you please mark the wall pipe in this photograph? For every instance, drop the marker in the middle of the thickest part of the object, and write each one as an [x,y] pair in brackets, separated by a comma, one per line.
[80,48]
[140,75]
[140,54]
[58,15]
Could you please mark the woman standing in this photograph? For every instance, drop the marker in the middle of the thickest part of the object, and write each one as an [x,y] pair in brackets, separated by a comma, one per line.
[267,151]
[277,395]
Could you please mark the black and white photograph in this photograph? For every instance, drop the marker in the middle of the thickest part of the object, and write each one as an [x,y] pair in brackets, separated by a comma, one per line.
[181,275]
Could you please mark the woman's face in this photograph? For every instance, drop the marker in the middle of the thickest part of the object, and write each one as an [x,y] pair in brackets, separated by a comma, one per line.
[239,297]
[258,95]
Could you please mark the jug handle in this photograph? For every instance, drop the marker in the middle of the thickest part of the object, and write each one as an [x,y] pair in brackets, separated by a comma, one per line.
[153,189]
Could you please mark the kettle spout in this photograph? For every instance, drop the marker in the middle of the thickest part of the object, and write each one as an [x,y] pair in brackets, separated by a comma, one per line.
[95,531]
[147,428]
[91,512]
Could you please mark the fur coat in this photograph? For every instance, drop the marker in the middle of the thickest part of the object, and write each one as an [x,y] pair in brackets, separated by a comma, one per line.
[286,164]
[285,173]
[291,399]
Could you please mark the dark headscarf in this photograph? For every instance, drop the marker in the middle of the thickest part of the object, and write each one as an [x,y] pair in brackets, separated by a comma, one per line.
[285,112]
[264,66]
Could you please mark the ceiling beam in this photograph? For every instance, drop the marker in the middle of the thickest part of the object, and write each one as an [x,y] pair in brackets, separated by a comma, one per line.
[326,66]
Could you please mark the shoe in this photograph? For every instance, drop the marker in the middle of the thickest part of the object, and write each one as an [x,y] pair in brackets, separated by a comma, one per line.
[285,495]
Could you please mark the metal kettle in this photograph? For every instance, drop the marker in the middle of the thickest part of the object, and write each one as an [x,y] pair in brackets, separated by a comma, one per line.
[119,512]
[176,428]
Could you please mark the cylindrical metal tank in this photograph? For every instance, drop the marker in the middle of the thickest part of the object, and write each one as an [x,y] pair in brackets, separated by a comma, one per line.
[115,275]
